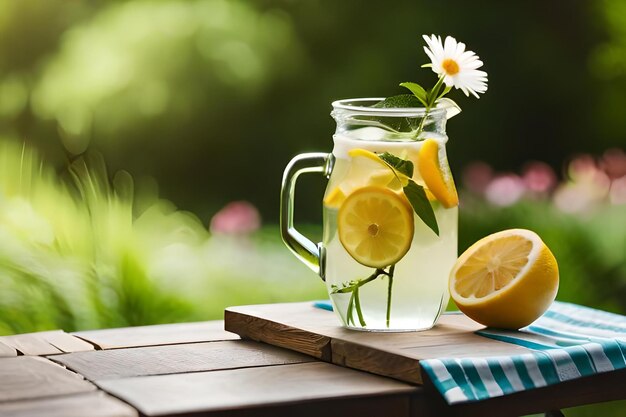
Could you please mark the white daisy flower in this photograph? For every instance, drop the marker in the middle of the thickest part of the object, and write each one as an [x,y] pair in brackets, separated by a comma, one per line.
[458,66]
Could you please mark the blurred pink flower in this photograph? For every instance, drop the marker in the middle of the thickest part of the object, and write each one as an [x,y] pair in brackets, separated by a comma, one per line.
[477,176]
[588,186]
[539,177]
[613,163]
[238,217]
[505,190]
[617,194]
[582,167]
[576,197]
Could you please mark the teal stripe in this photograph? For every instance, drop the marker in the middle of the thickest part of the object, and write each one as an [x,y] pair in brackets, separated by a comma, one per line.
[581,359]
[474,378]
[523,372]
[442,386]
[514,340]
[323,304]
[547,368]
[581,323]
[459,376]
[500,377]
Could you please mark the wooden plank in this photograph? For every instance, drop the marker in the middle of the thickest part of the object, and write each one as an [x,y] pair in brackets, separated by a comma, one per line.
[248,389]
[27,377]
[161,360]
[45,343]
[587,390]
[373,406]
[279,334]
[316,332]
[7,351]
[163,334]
[94,404]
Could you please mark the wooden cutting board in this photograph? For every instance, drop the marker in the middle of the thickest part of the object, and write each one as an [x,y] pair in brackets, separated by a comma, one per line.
[306,329]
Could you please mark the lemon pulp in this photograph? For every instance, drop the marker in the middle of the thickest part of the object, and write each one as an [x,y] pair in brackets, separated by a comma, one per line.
[375,226]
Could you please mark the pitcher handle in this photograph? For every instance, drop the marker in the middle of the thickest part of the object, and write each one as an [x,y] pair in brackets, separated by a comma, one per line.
[308,252]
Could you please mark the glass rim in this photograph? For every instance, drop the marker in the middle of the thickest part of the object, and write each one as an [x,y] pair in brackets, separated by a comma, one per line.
[358,108]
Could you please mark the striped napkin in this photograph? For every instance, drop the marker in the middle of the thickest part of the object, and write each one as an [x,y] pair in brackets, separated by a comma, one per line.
[568,342]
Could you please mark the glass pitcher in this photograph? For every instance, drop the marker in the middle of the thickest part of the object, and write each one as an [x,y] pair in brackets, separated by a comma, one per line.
[385,269]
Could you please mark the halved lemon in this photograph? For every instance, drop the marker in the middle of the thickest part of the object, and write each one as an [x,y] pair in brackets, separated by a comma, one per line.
[507,279]
[375,226]
[434,169]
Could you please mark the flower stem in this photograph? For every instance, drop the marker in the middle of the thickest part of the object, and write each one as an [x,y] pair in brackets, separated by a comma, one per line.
[390,285]
[355,301]
[350,312]
[357,306]
[432,97]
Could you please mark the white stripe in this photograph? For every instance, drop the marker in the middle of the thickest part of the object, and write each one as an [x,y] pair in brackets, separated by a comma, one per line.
[511,373]
[583,331]
[482,367]
[547,341]
[533,370]
[562,335]
[590,315]
[455,395]
[566,369]
[439,369]
[590,318]
[600,360]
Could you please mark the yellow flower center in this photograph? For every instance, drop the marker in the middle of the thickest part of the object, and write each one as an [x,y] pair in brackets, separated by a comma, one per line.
[450,66]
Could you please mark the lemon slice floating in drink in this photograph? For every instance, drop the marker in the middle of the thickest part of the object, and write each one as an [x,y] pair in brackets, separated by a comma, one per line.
[366,169]
[434,169]
[507,279]
[375,226]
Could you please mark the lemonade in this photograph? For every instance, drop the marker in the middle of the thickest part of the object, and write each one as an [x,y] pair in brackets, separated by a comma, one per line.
[418,292]
[390,207]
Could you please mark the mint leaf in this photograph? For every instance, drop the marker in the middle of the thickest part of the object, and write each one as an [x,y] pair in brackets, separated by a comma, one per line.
[417,90]
[399,164]
[417,197]
[400,101]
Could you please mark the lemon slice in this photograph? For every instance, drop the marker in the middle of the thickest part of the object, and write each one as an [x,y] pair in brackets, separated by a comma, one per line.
[384,175]
[507,279]
[375,226]
[366,168]
[434,169]
[334,198]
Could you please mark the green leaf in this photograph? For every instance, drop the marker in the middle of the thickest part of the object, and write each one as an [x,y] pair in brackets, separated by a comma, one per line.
[417,197]
[429,65]
[417,90]
[400,101]
[399,164]
[445,91]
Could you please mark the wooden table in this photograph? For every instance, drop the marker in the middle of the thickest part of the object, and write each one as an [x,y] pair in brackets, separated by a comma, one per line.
[199,369]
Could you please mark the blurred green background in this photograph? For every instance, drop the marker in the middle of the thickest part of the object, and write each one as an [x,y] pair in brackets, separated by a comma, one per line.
[125,126]
[207,96]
